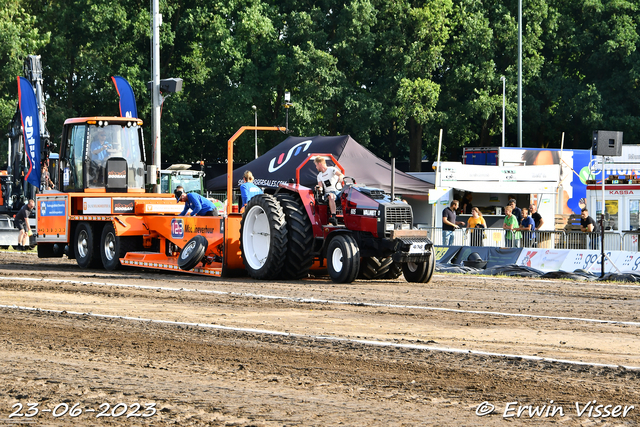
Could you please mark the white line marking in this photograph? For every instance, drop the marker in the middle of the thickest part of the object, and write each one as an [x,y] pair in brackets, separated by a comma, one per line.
[336,302]
[530,279]
[330,338]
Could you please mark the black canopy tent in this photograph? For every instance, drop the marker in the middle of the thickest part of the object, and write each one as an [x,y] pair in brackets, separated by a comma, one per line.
[279,164]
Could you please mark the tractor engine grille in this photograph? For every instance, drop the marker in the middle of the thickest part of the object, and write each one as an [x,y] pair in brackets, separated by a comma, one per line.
[399,215]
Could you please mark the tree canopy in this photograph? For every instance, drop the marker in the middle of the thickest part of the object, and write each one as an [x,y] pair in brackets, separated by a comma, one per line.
[390,73]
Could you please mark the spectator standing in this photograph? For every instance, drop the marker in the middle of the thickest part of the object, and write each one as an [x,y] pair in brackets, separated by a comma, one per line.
[248,189]
[537,218]
[477,224]
[45,179]
[21,222]
[466,204]
[528,227]
[512,235]
[449,223]
[588,225]
[515,210]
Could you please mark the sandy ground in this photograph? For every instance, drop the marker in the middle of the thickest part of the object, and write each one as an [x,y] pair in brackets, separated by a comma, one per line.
[142,347]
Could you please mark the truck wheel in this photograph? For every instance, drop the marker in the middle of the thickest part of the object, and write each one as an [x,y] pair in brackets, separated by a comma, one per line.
[263,237]
[343,259]
[374,268]
[193,252]
[86,247]
[420,272]
[113,247]
[299,256]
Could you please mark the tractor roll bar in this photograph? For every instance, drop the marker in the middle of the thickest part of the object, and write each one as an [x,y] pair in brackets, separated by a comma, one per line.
[230,158]
[313,155]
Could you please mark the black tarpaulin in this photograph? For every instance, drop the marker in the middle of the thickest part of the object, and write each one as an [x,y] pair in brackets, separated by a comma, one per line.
[279,164]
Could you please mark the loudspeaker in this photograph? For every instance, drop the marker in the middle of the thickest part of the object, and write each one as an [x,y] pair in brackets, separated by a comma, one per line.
[606,143]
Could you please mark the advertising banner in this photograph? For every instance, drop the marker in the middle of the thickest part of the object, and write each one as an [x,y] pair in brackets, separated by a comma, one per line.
[128,106]
[572,260]
[30,128]
[574,171]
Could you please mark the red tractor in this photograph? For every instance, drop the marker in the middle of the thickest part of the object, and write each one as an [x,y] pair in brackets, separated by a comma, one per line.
[284,235]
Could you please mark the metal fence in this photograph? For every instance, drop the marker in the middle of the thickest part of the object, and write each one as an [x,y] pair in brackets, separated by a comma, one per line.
[500,238]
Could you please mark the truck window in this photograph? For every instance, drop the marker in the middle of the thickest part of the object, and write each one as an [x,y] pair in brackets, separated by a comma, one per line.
[114,141]
[101,147]
[72,177]
[130,141]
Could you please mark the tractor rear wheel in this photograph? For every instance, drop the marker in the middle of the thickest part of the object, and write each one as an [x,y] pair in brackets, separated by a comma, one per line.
[299,256]
[263,237]
[343,259]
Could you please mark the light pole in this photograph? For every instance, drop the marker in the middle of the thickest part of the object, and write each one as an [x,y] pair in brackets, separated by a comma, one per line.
[520,73]
[504,84]
[287,104]
[255,114]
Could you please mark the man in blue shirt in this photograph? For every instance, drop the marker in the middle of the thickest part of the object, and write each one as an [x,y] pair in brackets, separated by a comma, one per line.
[200,206]
[248,189]
[528,226]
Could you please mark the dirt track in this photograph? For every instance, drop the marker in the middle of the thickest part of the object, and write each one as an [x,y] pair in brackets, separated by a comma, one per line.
[311,353]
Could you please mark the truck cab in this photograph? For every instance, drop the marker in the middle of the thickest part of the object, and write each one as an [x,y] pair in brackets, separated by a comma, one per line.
[102,154]
[180,175]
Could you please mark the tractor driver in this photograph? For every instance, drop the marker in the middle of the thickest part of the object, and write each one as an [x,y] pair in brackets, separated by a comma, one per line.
[200,206]
[100,147]
[99,154]
[328,177]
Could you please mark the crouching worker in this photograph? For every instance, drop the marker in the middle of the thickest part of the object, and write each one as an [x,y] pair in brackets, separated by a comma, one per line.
[200,206]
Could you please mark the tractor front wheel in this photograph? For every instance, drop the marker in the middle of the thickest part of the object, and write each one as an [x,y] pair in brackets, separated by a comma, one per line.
[420,272]
[343,259]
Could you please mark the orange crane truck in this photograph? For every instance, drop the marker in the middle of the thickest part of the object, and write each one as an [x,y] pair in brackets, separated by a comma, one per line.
[101,216]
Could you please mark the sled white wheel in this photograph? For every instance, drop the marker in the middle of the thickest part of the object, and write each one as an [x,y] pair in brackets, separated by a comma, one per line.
[263,237]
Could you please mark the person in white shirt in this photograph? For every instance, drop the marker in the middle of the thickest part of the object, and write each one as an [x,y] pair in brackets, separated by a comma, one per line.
[328,177]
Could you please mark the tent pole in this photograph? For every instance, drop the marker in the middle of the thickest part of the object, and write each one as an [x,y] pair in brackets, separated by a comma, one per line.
[435,182]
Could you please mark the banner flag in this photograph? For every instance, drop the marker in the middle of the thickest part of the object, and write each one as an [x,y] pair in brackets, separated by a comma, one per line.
[127,99]
[30,128]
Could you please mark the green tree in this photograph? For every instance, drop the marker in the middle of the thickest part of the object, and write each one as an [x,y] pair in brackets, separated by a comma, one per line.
[19,37]
[90,42]
[590,79]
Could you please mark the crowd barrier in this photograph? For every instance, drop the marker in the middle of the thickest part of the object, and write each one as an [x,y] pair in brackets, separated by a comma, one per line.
[500,238]
[545,260]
